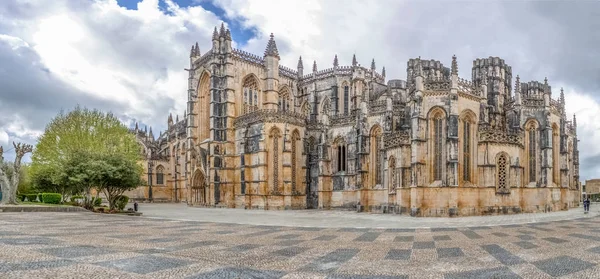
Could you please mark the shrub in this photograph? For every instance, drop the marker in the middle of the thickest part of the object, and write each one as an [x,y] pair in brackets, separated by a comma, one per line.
[121,202]
[21,197]
[40,197]
[32,197]
[53,198]
[101,209]
[97,201]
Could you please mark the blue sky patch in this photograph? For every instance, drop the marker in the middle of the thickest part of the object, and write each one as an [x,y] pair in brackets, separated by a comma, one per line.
[239,34]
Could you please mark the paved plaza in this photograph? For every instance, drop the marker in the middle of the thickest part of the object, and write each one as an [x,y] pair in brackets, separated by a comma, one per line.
[87,245]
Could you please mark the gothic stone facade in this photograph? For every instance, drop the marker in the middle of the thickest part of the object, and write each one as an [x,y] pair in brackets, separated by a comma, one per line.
[261,135]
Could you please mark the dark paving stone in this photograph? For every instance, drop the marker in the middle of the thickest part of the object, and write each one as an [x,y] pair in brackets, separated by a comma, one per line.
[441,237]
[502,255]
[76,251]
[332,261]
[261,233]
[368,237]
[290,242]
[6,267]
[308,229]
[541,229]
[160,240]
[444,229]
[525,244]
[356,276]
[28,241]
[290,251]
[511,226]
[525,232]
[566,227]
[399,230]
[144,264]
[479,228]
[353,230]
[398,254]
[224,232]
[500,234]
[239,273]
[120,236]
[498,272]
[526,237]
[244,247]
[404,238]
[449,252]
[263,227]
[326,237]
[192,245]
[192,230]
[555,240]
[287,236]
[471,234]
[9,233]
[424,245]
[562,265]
[595,250]
[589,237]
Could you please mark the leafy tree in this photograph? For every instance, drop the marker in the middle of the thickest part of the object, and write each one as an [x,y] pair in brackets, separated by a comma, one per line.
[64,157]
[24,180]
[116,175]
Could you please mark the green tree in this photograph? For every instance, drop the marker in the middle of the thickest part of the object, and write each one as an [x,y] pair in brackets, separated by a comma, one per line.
[10,173]
[72,138]
[117,174]
[24,180]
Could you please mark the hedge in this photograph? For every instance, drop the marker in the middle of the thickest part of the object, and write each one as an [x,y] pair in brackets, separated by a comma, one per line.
[31,197]
[53,198]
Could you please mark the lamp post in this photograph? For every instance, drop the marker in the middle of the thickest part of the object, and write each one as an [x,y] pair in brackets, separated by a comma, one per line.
[150,167]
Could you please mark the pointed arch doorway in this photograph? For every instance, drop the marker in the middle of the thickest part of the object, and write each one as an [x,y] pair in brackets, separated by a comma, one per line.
[199,188]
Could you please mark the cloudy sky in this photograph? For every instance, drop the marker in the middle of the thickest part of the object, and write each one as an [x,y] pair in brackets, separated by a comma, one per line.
[128,56]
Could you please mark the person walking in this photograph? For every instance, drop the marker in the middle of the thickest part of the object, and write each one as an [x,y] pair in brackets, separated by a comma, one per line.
[586,205]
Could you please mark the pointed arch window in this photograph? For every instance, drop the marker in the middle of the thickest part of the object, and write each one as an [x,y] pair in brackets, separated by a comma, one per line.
[532,151]
[341,156]
[466,150]
[284,100]
[393,176]
[275,136]
[438,148]
[376,158]
[250,88]
[502,173]
[555,155]
[160,170]
[295,146]
[346,98]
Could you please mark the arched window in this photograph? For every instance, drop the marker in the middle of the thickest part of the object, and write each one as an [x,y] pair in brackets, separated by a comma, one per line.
[467,146]
[326,108]
[203,104]
[436,143]
[250,88]
[295,157]
[346,98]
[160,170]
[532,139]
[284,100]
[341,163]
[393,179]
[376,159]
[306,108]
[502,173]
[275,136]
[556,155]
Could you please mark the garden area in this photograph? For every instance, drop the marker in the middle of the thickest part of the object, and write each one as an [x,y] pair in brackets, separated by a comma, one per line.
[82,155]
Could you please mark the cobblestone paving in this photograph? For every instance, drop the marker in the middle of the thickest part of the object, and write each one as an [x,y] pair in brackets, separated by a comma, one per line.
[85,245]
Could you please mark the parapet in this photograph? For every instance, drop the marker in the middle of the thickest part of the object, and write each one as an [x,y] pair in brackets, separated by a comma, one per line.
[397,83]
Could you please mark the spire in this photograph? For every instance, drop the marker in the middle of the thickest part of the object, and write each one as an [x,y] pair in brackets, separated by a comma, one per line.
[315,66]
[184,114]
[373,64]
[517,85]
[197,49]
[177,118]
[193,51]
[335,61]
[170,120]
[354,63]
[574,121]
[146,129]
[222,30]
[454,66]
[562,96]
[228,35]
[136,126]
[272,48]
[151,135]
[300,65]
[383,71]
[215,34]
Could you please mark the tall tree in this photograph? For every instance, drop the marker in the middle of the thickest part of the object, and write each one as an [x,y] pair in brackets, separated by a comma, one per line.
[117,174]
[10,173]
[69,135]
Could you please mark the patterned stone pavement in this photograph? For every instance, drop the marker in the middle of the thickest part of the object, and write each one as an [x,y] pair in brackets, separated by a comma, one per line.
[86,245]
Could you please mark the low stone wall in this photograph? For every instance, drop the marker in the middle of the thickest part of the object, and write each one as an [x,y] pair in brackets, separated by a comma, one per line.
[38,208]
